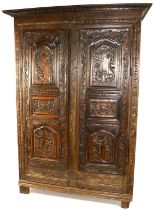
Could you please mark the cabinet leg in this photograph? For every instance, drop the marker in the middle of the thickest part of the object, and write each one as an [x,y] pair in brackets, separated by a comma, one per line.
[24,189]
[124,204]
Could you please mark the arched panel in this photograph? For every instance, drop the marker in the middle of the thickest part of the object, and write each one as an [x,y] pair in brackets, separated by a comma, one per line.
[45,142]
[101,147]
[103,64]
[44,68]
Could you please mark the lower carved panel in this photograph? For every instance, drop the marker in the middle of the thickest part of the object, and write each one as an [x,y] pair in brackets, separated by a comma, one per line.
[46,141]
[100,152]
[101,147]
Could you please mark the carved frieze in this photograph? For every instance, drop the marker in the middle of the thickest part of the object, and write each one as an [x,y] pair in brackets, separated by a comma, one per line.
[103,108]
[44,105]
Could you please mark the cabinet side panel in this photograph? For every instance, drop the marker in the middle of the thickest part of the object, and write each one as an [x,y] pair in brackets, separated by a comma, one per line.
[134,102]
[19,101]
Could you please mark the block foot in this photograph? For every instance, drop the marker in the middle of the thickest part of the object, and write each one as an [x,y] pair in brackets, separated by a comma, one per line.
[125,205]
[24,189]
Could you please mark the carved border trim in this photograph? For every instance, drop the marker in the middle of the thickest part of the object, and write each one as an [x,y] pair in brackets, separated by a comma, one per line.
[41,21]
[134,103]
[19,104]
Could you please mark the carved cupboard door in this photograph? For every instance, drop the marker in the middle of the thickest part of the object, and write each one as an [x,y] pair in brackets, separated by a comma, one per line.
[103,107]
[45,97]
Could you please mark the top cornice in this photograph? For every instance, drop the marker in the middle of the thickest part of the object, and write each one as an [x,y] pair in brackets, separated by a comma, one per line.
[138,10]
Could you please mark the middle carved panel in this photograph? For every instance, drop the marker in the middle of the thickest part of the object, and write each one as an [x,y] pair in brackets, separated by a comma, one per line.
[103,108]
[45,105]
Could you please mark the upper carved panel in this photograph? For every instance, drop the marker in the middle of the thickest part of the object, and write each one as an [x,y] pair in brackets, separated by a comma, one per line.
[46,55]
[103,65]
[104,55]
[43,72]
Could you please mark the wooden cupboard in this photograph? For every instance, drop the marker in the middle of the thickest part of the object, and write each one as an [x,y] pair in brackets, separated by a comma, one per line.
[77,87]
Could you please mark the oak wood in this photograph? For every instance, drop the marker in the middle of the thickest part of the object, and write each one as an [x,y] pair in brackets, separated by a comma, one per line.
[77,73]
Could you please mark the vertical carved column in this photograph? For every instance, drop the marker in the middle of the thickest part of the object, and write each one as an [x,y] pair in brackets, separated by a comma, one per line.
[19,102]
[73,126]
[134,102]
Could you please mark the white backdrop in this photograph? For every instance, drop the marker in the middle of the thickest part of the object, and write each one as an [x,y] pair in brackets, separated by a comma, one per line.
[10,198]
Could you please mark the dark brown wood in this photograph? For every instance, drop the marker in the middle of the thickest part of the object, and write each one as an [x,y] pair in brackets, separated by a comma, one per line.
[24,189]
[77,97]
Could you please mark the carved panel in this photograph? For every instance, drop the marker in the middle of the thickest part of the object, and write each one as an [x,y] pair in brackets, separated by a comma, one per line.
[46,142]
[46,53]
[43,72]
[103,108]
[101,147]
[46,50]
[103,52]
[103,66]
[45,105]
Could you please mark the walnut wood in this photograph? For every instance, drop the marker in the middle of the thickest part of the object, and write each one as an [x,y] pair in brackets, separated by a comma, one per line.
[77,96]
